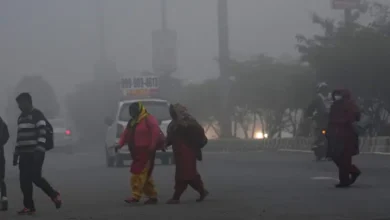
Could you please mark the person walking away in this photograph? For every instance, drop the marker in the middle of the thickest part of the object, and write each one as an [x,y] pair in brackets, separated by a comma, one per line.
[343,139]
[187,138]
[143,137]
[4,136]
[31,145]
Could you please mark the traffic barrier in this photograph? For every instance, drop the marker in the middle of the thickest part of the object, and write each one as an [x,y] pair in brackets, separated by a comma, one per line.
[367,145]
[375,144]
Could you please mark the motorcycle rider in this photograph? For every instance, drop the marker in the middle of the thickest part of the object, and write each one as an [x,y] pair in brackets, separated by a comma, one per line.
[318,111]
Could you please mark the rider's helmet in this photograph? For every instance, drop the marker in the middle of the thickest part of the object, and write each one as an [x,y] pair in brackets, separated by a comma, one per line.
[322,86]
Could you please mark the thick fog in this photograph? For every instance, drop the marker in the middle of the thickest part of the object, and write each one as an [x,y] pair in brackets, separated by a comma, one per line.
[59,39]
[258,116]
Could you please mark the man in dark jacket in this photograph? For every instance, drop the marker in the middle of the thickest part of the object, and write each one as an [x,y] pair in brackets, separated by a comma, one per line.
[30,150]
[4,136]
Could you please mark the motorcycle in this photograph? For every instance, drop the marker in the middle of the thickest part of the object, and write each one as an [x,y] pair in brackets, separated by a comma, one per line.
[321,146]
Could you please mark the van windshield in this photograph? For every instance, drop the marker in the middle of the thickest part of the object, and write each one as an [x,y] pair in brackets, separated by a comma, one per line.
[159,109]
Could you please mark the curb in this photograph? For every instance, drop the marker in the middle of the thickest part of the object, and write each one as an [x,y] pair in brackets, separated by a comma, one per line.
[371,145]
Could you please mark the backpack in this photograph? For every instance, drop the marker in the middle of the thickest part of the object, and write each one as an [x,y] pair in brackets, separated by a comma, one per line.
[49,136]
[198,137]
[203,140]
[161,139]
[361,126]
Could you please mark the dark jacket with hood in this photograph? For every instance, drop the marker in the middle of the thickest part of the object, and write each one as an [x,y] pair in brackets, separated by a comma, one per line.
[341,133]
[4,136]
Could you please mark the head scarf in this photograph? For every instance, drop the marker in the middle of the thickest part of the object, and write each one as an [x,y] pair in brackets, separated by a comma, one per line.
[142,113]
[182,117]
[345,104]
[344,93]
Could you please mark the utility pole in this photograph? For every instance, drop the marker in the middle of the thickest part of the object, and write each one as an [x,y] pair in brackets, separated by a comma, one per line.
[224,61]
[164,23]
[101,33]
[105,69]
[347,15]
[163,14]
[164,57]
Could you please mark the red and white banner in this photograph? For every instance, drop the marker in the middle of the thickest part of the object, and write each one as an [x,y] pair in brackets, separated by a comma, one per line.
[139,85]
[345,4]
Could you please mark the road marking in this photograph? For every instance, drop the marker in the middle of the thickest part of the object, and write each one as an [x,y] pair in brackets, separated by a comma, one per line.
[323,178]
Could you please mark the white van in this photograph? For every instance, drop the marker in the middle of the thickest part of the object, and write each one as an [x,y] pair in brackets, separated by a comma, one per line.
[159,108]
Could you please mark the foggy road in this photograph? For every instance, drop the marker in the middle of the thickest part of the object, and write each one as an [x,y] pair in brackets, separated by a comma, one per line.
[242,185]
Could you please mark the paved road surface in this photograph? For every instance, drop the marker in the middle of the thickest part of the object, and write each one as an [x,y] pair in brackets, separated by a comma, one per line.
[246,186]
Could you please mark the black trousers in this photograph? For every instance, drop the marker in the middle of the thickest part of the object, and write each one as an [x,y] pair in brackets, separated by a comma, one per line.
[30,166]
[346,167]
[3,187]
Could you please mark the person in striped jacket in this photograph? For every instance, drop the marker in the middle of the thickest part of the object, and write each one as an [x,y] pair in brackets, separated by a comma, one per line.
[30,153]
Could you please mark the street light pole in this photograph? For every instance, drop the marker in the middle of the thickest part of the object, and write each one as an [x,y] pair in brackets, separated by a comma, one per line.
[101,33]
[105,69]
[224,60]
[163,14]
[347,15]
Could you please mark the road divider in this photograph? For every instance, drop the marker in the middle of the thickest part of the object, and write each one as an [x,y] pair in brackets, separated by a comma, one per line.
[379,145]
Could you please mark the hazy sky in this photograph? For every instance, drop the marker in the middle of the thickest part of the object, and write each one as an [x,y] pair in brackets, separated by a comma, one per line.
[58,38]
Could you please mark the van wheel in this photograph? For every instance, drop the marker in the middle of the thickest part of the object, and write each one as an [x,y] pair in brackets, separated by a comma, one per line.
[173,160]
[119,162]
[110,161]
[165,160]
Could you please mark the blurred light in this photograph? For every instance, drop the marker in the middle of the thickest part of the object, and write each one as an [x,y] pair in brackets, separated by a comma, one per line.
[210,134]
[324,132]
[260,135]
[67,132]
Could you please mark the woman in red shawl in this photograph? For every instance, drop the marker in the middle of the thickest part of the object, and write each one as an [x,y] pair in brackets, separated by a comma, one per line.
[187,137]
[343,139]
[143,137]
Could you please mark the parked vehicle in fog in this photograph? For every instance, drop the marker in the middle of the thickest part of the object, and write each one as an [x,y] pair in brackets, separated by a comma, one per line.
[65,137]
[159,108]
